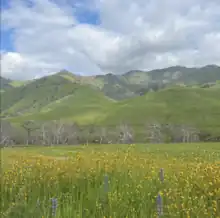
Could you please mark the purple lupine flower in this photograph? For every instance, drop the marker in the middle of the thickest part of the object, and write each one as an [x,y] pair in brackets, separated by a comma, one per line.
[159,205]
[161,174]
[106,188]
[54,206]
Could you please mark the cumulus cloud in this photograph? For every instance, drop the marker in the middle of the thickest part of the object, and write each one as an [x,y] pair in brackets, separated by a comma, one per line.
[131,34]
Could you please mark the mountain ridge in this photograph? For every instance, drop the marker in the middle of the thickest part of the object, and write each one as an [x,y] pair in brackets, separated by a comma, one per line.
[175,67]
[118,87]
[174,95]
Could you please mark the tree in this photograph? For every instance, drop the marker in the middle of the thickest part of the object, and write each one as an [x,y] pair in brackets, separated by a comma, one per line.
[160,133]
[102,135]
[57,132]
[125,134]
[7,133]
[29,126]
[154,133]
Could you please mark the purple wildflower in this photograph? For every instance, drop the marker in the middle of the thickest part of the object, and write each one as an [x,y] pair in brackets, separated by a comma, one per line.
[54,206]
[159,205]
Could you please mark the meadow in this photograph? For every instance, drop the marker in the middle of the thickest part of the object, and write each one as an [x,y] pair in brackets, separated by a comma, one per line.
[117,181]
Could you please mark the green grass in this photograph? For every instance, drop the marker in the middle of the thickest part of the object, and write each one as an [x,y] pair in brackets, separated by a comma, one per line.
[174,149]
[17,83]
[68,77]
[34,175]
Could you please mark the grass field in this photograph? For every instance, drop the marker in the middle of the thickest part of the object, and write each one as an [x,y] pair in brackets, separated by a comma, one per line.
[117,181]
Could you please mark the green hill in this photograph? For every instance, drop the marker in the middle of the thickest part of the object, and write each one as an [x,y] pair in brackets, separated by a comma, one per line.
[85,106]
[198,107]
[89,100]
[136,82]
[18,83]
[130,84]
[54,97]
[195,106]
[35,95]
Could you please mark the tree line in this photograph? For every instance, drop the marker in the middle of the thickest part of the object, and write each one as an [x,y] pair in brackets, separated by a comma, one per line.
[61,133]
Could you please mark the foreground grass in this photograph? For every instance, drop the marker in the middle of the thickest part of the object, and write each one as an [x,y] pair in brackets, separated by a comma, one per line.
[111,181]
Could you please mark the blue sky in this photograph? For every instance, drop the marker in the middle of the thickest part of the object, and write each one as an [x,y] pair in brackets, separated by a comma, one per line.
[88,16]
[6,36]
[83,16]
[7,40]
[91,37]
[4,3]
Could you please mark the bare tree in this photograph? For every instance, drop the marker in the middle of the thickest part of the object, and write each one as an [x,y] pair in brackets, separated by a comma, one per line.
[159,133]
[3,136]
[125,134]
[29,126]
[189,134]
[7,133]
[69,134]
[58,132]
[154,132]
[102,135]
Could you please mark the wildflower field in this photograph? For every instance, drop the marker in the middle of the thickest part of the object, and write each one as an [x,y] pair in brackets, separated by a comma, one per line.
[117,181]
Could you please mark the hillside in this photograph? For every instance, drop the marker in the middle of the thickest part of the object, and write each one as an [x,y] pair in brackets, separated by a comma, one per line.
[54,97]
[136,82]
[194,106]
[132,83]
[198,107]
[35,95]
[187,95]
[179,74]
[85,106]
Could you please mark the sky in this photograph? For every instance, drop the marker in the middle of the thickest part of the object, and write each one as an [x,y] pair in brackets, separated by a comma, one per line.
[88,37]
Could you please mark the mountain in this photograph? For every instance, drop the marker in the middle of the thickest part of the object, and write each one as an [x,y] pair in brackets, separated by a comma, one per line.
[136,82]
[176,75]
[47,94]
[22,97]
[5,83]
[33,96]
[197,107]
[176,95]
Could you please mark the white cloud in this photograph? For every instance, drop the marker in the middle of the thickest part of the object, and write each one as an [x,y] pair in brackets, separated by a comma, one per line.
[133,34]
[12,62]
